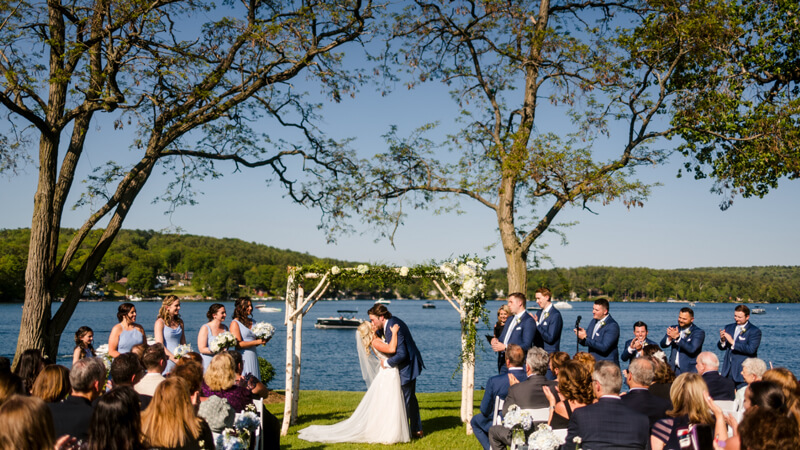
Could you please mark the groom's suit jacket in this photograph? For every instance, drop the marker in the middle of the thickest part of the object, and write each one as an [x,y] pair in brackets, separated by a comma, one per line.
[407,358]
[746,347]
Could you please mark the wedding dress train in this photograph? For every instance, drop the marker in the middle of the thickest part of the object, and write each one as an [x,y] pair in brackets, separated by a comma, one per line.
[380,418]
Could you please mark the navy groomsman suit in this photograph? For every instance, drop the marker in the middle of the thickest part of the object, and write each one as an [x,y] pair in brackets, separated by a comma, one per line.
[745,346]
[522,329]
[603,342]
[548,330]
[497,386]
[626,354]
[685,349]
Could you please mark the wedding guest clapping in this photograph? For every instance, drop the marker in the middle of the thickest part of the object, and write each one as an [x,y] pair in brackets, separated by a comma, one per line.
[168,329]
[216,315]
[126,333]
[689,409]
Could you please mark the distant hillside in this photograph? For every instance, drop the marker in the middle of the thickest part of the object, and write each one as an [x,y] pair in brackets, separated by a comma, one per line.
[220,268]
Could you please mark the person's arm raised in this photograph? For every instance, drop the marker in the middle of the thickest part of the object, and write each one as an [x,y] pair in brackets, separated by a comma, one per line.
[389,348]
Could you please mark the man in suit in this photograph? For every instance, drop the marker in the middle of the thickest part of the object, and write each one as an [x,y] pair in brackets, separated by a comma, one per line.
[719,387]
[520,328]
[548,323]
[602,334]
[87,378]
[685,341]
[608,423]
[407,359]
[527,395]
[497,387]
[633,347]
[739,340]
[640,376]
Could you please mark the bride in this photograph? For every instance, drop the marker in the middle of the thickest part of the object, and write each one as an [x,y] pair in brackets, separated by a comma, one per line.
[381,416]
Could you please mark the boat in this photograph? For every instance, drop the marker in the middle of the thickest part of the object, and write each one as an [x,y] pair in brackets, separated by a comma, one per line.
[268,309]
[428,305]
[382,301]
[562,305]
[346,319]
[758,311]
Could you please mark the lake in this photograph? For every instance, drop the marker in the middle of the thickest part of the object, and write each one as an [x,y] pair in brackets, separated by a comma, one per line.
[330,361]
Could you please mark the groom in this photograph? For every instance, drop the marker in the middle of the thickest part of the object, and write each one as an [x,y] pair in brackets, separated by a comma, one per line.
[407,359]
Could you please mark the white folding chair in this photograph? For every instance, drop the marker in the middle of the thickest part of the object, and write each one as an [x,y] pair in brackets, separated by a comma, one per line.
[259,441]
[539,414]
[498,406]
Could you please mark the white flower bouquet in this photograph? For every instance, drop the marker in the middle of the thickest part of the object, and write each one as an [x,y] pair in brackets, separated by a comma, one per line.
[519,420]
[102,352]
[181,350]
[544,439]
[263,330]
[232,439]
[222,341]
[247,420]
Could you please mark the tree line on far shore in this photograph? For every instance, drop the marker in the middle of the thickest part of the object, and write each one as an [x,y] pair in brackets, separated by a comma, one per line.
[222,268]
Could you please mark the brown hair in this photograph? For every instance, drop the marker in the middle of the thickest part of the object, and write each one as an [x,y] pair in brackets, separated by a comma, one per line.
[163,312]
[586,359]
[379,310]
[153,356]
[221,372]
[52,384]
[169,421]
[27,423]
[544,291]
[688,393]
[663,372]
[191,356]
[787,381]
[515,356]
[191,372]
[213,310]
[768,430]
[123,310]
[575,382]
[83,331]
[240,311]
[557,361]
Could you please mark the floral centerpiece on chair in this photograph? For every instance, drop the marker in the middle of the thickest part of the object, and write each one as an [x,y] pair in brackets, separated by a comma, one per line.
[519,420]
[544,439]
[263,330]
[222,341]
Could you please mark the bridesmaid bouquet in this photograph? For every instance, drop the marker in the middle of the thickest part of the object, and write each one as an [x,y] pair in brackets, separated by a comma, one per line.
[102,352]
[181,350]
[544,439]
[222,341]
[263,330]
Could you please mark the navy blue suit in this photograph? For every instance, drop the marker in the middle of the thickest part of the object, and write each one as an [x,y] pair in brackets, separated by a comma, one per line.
[522,333]
[719,387]
[626,355]
[408,361]
[603,345]
[548,331]
[746,346]
[643,401]
[687,349]
[496,386]
[608,424]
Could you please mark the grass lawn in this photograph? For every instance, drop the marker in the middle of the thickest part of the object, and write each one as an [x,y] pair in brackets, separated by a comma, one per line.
[440,420]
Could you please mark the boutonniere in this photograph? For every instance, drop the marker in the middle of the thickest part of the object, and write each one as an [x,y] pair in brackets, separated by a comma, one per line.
[741,332]
[546,315]
[688,332]
[602,324]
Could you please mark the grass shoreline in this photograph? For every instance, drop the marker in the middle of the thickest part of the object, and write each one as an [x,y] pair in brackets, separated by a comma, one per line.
[440,413]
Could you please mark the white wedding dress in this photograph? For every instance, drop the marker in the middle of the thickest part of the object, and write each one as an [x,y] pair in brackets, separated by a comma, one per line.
[380,418]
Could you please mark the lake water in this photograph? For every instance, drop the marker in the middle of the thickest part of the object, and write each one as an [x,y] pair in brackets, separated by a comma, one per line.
[330,361]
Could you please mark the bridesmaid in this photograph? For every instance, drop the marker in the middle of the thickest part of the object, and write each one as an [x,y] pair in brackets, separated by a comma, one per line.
[246,341]
[169,328]
[216,315]
[126,333]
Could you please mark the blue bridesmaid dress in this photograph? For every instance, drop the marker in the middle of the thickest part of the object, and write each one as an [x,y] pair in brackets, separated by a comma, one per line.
[127,339]
[249,355]
[172,339]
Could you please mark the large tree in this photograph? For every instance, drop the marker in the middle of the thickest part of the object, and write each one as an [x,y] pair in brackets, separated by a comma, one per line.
[193,78]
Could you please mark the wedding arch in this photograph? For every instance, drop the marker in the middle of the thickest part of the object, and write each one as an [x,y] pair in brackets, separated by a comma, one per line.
[460,281]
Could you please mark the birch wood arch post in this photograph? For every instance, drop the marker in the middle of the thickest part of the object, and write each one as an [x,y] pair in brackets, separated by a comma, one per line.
[460,282]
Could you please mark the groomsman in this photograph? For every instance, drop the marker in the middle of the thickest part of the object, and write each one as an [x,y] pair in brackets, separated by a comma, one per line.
[686,341]
[520,328]
[739,340]
[548,323]
[602,337]
[633,347]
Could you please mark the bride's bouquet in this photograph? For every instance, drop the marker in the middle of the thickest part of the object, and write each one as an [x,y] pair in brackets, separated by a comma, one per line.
[181,350]
[222,341]
[519,420]
[544,439]
[263,330]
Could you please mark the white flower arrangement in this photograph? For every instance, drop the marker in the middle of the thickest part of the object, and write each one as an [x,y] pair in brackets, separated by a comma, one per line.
[232,439]
[519,420]
[247,420]
[181,351]
[362,269]
[335,270]
[102,352]
[263,330]
[222,341]
[404,271]
[465,277]
[544,438]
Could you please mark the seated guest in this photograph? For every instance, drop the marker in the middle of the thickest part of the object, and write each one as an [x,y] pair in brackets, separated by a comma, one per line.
[220,380]
[30,364]
[191,356]
[557,361]
[5,365]
[155,361]
[689,410]
[719,387]
[527,394]
[574,391]
[640,376]
[784,378]
[10,384]
[249,381]
[767,430]
[52,384]
[27,424]
[270,425]
[760,397]
[72,416]
[497,387]
[752,370]
[171,422]
[663,375]
[126,370]
[116,422]
[608,423]
[586,359]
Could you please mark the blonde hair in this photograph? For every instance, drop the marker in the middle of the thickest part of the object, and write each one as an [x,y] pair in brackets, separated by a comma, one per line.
[163,312]
[367,335]
[688,393]
[221,372]
[169,421]
[27,423]
[52,384]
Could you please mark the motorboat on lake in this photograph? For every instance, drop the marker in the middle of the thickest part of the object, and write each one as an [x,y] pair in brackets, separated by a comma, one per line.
[758,311]
[347,319]
[428,305]
[382,301]
[562,305]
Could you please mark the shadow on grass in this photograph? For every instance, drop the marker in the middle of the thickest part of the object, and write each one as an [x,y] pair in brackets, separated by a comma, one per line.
[440,424]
